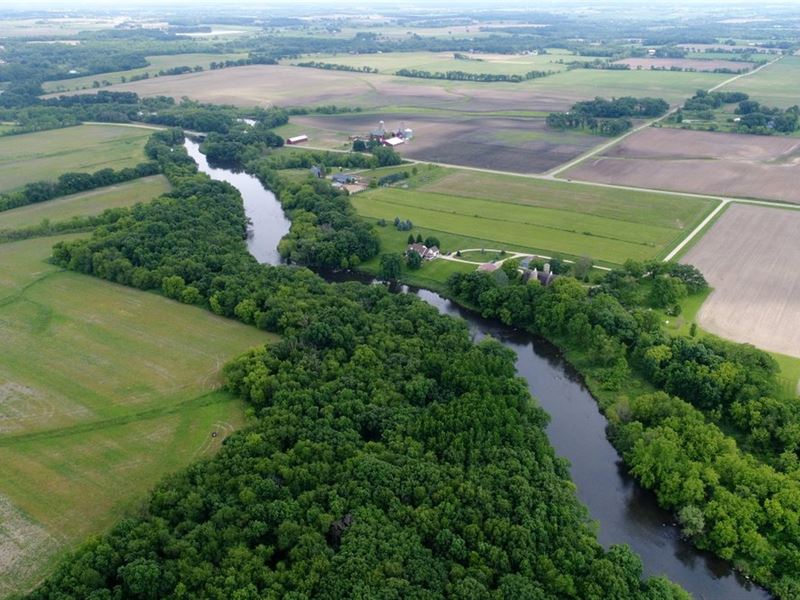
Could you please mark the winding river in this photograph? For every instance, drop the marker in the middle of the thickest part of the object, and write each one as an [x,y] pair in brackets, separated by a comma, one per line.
[625,512]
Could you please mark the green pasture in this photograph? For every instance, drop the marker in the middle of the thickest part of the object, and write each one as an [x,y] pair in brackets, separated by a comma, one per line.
[157,63]
[86,148]
[495,64]
[672,86]
[86,203]
[775,85]
[104,389]
[663,211]
[528,227]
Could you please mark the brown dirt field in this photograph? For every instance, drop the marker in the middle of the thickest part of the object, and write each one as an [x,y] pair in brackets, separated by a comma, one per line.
[684,63]
[750,258]
[258,85]
[520,145]
[724,164]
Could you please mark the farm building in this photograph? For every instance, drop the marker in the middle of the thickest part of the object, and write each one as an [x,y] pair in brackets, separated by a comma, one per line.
[343,178]
[298,139]
[424,251]
[389,137]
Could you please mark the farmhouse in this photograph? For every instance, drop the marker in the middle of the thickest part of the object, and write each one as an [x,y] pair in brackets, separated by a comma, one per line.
[424,251]
[298,139]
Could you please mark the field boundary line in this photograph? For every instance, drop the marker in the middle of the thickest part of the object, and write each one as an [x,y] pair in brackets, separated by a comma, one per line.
[603,147]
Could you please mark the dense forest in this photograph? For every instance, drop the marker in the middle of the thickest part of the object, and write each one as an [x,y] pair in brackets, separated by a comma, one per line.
[388,455]
[607,117]
[719,445]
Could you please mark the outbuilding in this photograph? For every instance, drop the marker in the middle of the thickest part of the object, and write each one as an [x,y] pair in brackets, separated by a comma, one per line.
[298,139]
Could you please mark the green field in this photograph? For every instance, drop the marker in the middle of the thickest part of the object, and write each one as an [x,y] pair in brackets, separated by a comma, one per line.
[518,213]
[157,63]
[775,85]
[672,86]
[104,389]
[87,203]
[390,62]
[85,148]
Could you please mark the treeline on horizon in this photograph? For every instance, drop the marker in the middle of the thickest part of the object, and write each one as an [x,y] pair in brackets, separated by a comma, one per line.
[388,454]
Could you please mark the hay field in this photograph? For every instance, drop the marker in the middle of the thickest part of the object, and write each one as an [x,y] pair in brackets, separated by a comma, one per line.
[47,154]
[725,164]
[103,390]
[516,144]
[157,63]
[540,216]
[750,258]
[86,203]
[775,85]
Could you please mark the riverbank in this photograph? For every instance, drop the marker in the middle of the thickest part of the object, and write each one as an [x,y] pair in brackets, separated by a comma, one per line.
[625,512]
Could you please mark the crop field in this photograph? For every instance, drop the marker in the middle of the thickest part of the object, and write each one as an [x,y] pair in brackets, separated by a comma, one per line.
[84,204]
[157,63]
[104,389]
[750,258]
[46,154]
[297,86]
[684,63]
[517,144]
[725,164]
[775,85]
[508,64]
[545,217]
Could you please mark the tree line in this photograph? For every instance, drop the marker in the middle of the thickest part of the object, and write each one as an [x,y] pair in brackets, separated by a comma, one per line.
[388,454]
[607,117]
[464,76]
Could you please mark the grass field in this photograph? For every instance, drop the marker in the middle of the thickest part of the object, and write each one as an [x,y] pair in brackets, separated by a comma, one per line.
[87,203]
[775,85]
[103,390]
[85,148]
[672,86]
[390,62]
[157,63]
[541,216]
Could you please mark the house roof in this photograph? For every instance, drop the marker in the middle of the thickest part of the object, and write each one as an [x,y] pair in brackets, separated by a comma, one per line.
[393,141]
[488,267]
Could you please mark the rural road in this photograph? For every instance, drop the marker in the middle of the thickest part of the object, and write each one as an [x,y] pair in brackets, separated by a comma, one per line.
[552,175]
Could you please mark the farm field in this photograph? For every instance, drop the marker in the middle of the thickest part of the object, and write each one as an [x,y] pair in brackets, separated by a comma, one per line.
[529,215]
[518,144]
[775,85]
[725,164]
[749,257]
[684,63]
[390,62]
[86,203]
[157,63]
[46,154]
[268,84]
[104,389]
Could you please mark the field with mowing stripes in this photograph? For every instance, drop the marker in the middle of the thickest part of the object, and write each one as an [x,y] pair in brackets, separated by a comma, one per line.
[86,148]
[104,389]
[608,225]
[86,203]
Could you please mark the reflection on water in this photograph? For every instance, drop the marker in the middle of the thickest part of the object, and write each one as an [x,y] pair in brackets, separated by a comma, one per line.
[260,205]
[626,513]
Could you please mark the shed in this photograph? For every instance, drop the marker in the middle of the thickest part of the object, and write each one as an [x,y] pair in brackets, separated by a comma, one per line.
[393,141]
[297,139]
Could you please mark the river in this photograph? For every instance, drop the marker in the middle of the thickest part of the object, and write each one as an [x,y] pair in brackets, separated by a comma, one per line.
[626,513]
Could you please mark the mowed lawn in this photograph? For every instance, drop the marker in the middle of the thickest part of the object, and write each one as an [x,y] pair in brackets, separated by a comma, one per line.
[104,389]
[775,85]
[608,225]
[86,148]
[86,203]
